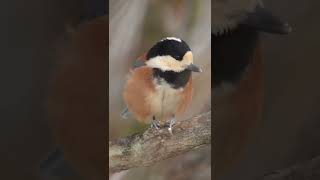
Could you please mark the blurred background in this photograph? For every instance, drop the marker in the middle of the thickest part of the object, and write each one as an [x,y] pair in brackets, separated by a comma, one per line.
[31,30]
[290,130]
[30,33]
[134,27]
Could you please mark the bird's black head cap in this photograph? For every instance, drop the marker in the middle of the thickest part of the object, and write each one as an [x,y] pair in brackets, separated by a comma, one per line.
[171,46]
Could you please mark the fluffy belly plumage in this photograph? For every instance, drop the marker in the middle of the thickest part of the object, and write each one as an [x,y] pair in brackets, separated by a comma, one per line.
[164,102]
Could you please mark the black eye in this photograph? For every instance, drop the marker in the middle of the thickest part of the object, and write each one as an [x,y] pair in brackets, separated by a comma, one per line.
[177,57]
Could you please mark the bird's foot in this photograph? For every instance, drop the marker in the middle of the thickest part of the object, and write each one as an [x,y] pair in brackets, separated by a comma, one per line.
[155,125]
[171,123]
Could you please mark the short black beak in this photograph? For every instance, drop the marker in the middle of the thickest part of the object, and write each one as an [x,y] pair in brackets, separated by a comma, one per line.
[194,68]
[263,20]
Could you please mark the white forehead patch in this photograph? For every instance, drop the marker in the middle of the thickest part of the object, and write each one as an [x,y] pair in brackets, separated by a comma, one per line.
[172,38]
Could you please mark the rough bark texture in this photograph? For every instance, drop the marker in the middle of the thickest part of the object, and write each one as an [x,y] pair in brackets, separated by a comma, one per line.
[151,146]
[309,170]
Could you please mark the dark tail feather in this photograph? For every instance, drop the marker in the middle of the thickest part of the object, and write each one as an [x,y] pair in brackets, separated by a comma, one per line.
[55,165]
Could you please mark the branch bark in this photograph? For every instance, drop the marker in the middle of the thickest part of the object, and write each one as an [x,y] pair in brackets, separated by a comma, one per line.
[151,146]
[309,170]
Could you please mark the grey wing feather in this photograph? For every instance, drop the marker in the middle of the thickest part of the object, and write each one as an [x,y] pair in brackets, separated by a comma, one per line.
[138,63]
[126,114]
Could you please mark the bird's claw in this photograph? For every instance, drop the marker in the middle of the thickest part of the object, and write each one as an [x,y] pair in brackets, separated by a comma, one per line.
[170,130]
[171,123]
[155,125]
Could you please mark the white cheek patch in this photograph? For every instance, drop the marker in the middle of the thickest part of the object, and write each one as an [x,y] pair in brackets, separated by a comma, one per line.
[168,63]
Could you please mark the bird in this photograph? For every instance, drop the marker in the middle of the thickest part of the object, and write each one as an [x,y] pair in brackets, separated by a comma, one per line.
[158,88]
[76,104]
[238,78]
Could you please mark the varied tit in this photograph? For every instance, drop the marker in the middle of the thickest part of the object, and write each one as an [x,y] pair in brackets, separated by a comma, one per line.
[159,86]
[76,107]
[238,74]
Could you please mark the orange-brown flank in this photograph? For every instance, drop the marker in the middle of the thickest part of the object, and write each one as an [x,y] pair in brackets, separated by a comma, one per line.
[146,99]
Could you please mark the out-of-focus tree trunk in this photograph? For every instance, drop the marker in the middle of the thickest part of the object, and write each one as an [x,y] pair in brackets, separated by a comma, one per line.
[290,129]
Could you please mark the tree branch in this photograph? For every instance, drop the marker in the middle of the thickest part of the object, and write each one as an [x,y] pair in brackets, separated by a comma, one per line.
[151,146]
[309,170]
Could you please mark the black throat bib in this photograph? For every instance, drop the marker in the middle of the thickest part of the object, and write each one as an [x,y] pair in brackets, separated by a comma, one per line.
[175,79]
[231,54]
